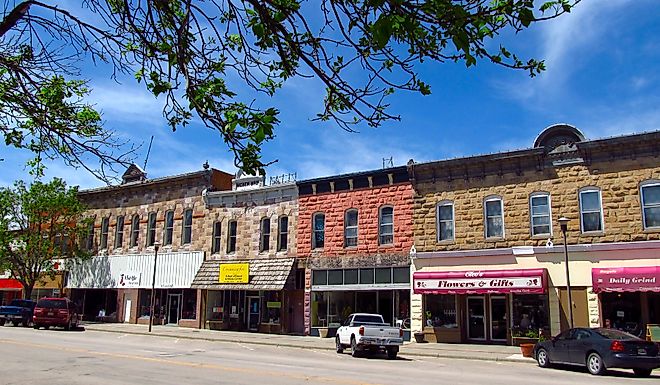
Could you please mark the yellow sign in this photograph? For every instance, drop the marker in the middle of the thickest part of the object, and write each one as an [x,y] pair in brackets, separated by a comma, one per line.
[234,272]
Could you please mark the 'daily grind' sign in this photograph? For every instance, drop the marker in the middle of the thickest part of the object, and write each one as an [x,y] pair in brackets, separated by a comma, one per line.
[234,272]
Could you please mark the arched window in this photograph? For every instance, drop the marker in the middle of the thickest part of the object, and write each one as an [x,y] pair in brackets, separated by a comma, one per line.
[135,230]
[231,236]
[265,235]
[494,217]
[217,227]
[386,225]
[169,228]
[351,228]
[186,235]
[445,221]
[119,232]
[105,225]
[591,210]
[282,233]
[318,225]
[151,229]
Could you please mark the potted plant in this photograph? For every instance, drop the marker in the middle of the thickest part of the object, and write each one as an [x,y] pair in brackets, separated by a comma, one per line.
[419,337]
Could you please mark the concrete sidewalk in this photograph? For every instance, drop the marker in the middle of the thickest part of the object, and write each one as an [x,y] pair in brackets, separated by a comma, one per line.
[460,351]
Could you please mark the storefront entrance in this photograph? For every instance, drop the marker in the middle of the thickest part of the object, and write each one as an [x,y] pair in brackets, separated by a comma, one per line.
[486,318]
[173,308]
[253,313]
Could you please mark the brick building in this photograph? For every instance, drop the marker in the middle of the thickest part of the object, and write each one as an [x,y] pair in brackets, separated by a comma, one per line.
[489,265]
[355,232]
[131,221]
[252,228]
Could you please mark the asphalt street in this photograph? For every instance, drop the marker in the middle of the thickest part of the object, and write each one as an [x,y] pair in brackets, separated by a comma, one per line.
[86,357]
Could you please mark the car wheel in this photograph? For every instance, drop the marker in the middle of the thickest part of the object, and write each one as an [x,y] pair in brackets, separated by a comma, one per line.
[391,353]
[36,326]
[542,358]
[67,327]
[2,322]
[15,323]
[46,327]
[642,372]
[338,345]
[354,348]
[26,323]
[595,364]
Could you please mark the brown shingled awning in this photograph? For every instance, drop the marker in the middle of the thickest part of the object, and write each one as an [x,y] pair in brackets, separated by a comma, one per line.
[265,274]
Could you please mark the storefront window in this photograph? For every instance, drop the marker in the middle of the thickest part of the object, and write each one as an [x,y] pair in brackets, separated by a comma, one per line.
[189,309]
[622,311]
[440,311]
[272,306]
[331,308]
[145,303]
[341,305]
[529,315]
[319,309]
[403,309]
[215,305]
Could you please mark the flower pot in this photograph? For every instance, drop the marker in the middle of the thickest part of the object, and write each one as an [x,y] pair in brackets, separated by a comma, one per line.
[419,337]
[527,350]
[323,332]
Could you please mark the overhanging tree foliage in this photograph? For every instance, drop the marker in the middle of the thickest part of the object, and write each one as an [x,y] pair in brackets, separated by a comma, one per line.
[208,59]
[40,225]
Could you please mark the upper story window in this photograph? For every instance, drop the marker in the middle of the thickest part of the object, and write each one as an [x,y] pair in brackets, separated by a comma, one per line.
[217,227]
[445,221]
[169,228]
[386,225]
[231,237]
[151,229]
[186,235]
[105,224]
[494,213]
[89,242]
[283,233]
[651,204]
[351,228]
[264,244]
[119,232]
[539,210]
[318,238]
[591,210]
[135,230]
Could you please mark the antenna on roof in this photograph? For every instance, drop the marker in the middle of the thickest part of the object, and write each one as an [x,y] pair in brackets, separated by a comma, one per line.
[388,162]
[148,152]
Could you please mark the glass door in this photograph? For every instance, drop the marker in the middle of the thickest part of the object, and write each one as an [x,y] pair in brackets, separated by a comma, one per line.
[253,313]
[476,318]
[173,308]
[498,326]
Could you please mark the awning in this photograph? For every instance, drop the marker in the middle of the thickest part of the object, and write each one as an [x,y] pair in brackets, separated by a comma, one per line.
[10,284]
[264,274]
[525,281]
[618,279]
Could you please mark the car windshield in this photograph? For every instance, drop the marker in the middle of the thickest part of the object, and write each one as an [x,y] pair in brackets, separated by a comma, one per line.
[21,303]
[614,334]
[52,304]
[368,319]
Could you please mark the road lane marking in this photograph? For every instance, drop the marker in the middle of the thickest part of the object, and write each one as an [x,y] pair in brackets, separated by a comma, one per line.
[246,347]
[257,372]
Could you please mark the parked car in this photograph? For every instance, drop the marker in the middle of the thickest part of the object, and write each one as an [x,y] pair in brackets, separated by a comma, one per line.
[55,312]
[368,332]
[19,311]
[599,349]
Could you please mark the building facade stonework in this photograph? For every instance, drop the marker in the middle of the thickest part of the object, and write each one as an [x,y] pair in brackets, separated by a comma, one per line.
[499,213]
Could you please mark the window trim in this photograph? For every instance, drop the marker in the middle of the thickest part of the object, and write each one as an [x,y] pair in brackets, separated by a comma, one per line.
[105,232]
[119,232]
[151,229]
[357,227]
[601,211]
[492,198]
[216,240]
[167,241]
[531,214]
[281,247]
[647,183]
[135,230]
[314,230]
[445,202]
[231,250]
[185,226]
[380,225]
[264,237]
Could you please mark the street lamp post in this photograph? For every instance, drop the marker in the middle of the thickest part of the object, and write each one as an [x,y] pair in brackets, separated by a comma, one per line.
[153,287]
[563,222]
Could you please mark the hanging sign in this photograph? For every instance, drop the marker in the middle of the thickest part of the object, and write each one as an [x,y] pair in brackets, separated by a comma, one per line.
[129,279]
[234,272]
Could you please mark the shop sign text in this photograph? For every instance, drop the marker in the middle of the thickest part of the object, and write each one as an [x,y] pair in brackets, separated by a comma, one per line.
[234,272]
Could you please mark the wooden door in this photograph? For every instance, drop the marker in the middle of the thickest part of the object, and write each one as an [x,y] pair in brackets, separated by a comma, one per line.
[580,309]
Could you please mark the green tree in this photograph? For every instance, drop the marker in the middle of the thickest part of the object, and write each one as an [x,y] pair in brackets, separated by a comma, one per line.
[208,60]
[41,225]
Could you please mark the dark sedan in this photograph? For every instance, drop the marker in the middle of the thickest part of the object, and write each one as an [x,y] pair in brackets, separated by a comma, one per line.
[599,349]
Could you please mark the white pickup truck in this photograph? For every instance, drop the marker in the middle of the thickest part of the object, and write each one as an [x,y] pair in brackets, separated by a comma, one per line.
[361,332]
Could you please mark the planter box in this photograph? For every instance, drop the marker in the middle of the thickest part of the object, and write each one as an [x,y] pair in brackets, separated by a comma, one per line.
[442,335]
[517,341]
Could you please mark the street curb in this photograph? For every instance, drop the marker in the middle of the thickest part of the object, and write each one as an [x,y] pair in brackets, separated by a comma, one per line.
[298,346]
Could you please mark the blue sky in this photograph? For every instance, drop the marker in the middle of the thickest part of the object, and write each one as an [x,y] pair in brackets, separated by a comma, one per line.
[603,74]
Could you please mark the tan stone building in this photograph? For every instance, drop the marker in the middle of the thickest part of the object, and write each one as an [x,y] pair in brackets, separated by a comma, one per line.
[252,232]
[133,221]
[489,262]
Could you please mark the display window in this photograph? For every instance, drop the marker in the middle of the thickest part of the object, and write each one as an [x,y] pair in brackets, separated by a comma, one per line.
[440,311]
[529,315]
